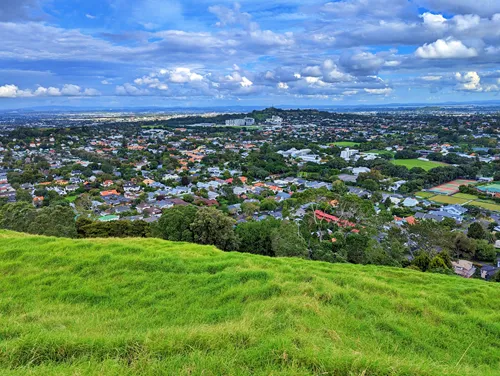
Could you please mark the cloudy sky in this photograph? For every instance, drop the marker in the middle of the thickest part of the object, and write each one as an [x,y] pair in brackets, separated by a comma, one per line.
[254,52]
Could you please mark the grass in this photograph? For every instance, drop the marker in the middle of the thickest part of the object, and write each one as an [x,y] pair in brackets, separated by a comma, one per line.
[71,198]
[424,194]
[486,205]
[381,152]
[411,163]
[465,196]
[345,144]
[451,200]
[150,307]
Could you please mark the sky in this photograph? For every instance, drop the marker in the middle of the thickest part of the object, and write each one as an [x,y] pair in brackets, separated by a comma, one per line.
[200,53]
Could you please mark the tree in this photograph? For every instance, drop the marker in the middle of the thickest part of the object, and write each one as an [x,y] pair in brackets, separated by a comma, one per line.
[370,185]
[23,196]
[422,261]
[249,208]
[485,251]
[287,241]
[356,246]
[87,228]
[17,216]
[255,237]
[175,224]
[211,226]
[339,187]
[268,204]
[496,277]
[54,221]
[476,231]
[464,247]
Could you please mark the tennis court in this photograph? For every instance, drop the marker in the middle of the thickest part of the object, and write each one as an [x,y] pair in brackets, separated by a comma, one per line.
[490,188]
[451,187]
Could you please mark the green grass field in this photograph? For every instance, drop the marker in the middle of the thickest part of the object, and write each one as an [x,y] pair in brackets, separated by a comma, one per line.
[345,144]
[150,307]
[381,152]
[410,163]
[465,196]
[451,200]
[424,194]
[486,205]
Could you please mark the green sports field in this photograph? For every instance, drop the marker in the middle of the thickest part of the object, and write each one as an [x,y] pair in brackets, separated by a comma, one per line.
[411,163]
[465,196]
[346,144]
[424,194]
[450,200]
[151,307]
[486,205]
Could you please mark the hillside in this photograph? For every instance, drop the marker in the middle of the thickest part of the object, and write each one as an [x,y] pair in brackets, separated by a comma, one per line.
[150,307]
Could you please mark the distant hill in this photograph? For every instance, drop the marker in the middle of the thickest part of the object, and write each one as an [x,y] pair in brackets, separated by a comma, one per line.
[151,307]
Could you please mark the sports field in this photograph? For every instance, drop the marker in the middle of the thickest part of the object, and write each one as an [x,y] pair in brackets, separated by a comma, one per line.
[466,196]
[381,152]
[424,194]
[451,187]
[460,199]
[450,200]
[490,188]
[486,205]
[345,144]
[411,163]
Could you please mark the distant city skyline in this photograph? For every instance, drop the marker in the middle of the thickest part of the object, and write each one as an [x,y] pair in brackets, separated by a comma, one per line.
[171,53]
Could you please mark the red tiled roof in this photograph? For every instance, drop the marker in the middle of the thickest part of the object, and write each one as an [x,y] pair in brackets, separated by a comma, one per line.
[331,218]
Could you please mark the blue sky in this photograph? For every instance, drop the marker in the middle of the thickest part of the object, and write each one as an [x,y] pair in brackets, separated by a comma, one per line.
[116,53]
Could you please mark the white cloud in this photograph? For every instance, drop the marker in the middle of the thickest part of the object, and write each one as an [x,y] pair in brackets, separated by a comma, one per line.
[90,17]
[384,91]
[431,78]
[12,91]
[445,49]
[129,89]
[245,82]
[434,21]
[182,75]
[71,90]
[471,81]
[282,86]
[151,82]
[466,22]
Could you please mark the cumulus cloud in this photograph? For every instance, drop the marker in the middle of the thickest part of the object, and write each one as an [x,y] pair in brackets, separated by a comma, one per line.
[183,75]
[482,8]
[228,16]
[471,81]
[434,21]
[362,63]
[68,90]
[130,90]
[446,49]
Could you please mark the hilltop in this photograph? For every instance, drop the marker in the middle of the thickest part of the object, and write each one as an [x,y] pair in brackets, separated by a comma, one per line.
[147,306]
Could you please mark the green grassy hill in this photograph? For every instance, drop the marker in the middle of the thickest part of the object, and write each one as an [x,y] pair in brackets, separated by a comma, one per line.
[150,307]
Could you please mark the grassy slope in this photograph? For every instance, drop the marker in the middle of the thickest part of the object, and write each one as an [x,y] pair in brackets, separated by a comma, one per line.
[127,307]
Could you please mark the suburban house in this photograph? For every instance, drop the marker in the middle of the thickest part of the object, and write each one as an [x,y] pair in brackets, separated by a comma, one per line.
[464,268]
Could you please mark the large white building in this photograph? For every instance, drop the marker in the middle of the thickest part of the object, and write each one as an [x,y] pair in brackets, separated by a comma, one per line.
[240,122]
[347,154]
